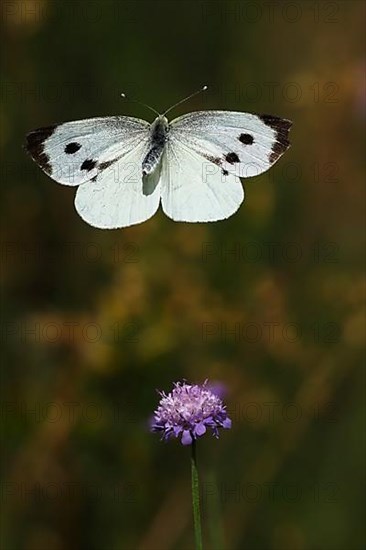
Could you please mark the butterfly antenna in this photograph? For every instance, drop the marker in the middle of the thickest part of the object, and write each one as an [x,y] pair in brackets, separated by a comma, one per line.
[204,88]
[140,103]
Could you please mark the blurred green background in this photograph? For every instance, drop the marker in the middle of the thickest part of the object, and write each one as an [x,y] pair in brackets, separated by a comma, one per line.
[269,302]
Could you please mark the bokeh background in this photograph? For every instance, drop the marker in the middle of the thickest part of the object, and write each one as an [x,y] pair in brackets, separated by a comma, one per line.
[267,304]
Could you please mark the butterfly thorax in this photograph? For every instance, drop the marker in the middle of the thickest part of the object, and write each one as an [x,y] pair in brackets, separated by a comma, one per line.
[158,138]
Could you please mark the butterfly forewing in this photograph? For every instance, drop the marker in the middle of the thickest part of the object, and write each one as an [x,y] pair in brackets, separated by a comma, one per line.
[243,144]
[75,152]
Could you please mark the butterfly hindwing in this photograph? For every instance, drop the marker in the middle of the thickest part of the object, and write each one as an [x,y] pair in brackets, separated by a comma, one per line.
[196,190]
[114,197]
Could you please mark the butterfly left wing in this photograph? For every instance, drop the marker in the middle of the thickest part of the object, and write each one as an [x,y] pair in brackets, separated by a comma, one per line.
[194,189]
[243,144]
[206,154]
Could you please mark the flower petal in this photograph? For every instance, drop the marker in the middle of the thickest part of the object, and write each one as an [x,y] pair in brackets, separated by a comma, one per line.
[200,429]
[177,430]
[227,423]
[186,437]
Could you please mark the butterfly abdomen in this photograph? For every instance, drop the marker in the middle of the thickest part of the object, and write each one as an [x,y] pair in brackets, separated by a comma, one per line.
[158,139]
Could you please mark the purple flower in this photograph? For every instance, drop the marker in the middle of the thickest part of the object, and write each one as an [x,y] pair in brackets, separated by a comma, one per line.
[188,411]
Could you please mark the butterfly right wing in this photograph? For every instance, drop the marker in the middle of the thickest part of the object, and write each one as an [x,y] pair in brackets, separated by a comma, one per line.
[72,153]
[104,156]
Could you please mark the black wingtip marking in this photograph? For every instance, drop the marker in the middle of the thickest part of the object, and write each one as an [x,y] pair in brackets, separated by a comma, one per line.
[35,146]
[282,127]
[246,139]
[278,148]
[88,164]
[277,123]
[72,148]
[232,158]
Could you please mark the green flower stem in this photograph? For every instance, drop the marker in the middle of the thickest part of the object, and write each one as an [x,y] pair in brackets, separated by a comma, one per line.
[196,499]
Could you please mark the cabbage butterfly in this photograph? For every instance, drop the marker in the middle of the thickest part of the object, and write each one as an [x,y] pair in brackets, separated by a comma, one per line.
[124,166]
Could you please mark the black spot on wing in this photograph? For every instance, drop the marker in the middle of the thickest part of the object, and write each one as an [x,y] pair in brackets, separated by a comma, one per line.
[72,148]
[232,158]
[88,165]
[35,146]
[225,172]
[246,139]
[282,127]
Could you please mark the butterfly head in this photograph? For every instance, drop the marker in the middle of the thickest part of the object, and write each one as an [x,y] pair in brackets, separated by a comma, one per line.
[162,121]
[159,129]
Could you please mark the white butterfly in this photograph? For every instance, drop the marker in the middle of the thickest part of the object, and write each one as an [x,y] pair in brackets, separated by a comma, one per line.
[125,166]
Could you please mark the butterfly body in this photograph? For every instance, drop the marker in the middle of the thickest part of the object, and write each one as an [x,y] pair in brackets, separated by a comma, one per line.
[126,167]
[159,136]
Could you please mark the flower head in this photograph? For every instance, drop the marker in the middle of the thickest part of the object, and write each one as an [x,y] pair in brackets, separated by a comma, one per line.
[187,411]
